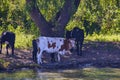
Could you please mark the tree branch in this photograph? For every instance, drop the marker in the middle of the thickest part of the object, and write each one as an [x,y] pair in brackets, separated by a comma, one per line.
[37,17]
[60,21]
[64,15]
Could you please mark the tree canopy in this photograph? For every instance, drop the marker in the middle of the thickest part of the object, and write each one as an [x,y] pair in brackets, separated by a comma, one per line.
[94,16]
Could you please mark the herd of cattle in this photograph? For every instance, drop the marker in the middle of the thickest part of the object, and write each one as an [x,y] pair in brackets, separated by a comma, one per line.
[52,45]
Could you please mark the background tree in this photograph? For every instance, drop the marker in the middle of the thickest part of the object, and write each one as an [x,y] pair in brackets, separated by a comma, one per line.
[56,26]
[104,13]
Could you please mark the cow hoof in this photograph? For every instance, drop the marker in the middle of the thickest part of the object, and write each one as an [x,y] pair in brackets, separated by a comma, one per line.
[79,54]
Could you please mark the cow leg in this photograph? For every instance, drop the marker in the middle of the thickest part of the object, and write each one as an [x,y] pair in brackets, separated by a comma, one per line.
[0,48]
[35,50]
[12,49]
[81,44]
[58,55]
[34,56]
[52,57]
[7,46]
[39,57]
[78,48]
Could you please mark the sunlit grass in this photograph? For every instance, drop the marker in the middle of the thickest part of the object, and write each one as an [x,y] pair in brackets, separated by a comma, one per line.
[104,38]
[23,40]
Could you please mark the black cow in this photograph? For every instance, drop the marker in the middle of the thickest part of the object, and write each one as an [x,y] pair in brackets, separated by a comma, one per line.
[78,34]
[9,39]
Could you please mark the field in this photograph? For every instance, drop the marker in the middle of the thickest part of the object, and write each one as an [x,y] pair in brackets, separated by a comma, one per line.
[97,54]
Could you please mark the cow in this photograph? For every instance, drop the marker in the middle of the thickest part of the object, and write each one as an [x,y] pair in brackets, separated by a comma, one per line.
[61,46]
[8,38]
[78,34]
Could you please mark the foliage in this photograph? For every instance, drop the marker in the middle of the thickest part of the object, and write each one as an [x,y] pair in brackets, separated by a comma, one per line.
[49,8]
[104,13]
[14,13]
[96,17]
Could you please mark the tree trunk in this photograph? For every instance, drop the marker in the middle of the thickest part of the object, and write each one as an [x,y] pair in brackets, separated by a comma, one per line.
[62,18]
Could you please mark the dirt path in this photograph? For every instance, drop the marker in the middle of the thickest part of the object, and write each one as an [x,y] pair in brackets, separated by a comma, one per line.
[97,54]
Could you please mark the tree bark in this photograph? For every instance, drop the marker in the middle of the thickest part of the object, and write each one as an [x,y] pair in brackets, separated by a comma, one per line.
[62,18]
[38,18]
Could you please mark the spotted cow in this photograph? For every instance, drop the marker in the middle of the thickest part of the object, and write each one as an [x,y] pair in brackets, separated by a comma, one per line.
[61,46]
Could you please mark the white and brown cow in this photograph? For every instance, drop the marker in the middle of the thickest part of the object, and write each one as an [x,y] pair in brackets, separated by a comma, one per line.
[61,46]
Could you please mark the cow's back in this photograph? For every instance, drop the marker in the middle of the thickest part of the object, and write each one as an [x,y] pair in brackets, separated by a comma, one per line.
[49,44]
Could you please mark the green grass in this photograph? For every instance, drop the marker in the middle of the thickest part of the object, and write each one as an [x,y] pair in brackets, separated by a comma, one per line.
[23,40]
[104,37]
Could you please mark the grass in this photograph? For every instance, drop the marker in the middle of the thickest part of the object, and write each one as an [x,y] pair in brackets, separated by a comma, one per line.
[104,37]
[23,40]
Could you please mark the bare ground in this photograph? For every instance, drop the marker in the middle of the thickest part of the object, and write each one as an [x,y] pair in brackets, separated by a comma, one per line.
[96,54]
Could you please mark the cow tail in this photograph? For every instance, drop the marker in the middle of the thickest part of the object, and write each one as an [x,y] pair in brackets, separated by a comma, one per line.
[35,50]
